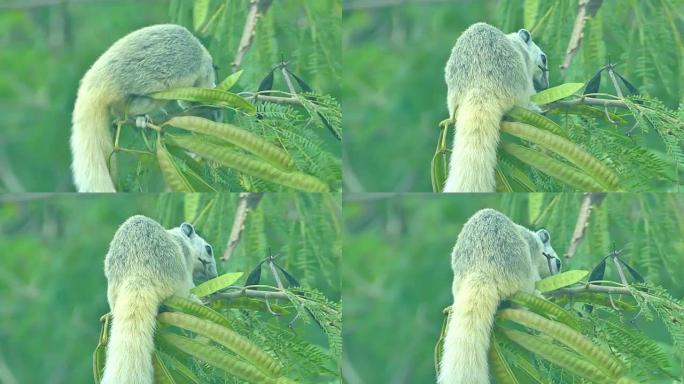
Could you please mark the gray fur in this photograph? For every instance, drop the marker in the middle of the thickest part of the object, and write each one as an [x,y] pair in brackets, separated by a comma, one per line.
[487,74]
[151,59]
[493,258]
[145,265]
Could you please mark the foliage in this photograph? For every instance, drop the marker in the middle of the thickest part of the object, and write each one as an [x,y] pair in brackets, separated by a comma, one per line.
[638,137]
[55,246]
[397,261]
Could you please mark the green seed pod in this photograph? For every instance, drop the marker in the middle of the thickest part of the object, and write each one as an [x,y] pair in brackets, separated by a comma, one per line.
[173,177]
[567,149]
[250,166]
[193,308]
[226,337]
[552,167]
[559,356]
[567,336]
[541,305]
[276,156]
[215,97]
[218,359]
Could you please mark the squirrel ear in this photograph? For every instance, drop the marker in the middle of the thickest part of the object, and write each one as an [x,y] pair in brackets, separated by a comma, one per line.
[524,35]
[187,229]
[544,235]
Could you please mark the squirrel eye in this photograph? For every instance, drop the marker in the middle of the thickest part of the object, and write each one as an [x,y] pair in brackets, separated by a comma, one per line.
[209,250]
[187,229]
[543,59]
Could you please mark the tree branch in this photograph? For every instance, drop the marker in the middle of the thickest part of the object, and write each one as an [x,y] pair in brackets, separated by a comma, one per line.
[249,293]
[593,288]
[586,9]
[276,99]
[588,202]
[257,8]
[248,202]
[587,101]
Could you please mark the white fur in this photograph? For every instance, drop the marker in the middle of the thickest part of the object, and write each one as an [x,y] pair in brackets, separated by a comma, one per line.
[493,258]
[488,73]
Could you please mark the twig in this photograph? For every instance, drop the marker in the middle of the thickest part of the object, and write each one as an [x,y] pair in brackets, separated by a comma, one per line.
[248,202]
[611,74]
[623,279]
[271,265]
[290,86]
[587,101]
[586,9]
[249,293]
[593,288]
[277,100]
[249,31]
[588,202]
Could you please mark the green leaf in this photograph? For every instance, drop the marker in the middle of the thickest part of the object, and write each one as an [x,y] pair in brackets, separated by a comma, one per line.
[213,97]
[216,284]
[179,368]
[440,161]
[199,13]
[530,13]
[560,280]
[501,369]
[230,81]
[172,175]
[556,93]
[162,375]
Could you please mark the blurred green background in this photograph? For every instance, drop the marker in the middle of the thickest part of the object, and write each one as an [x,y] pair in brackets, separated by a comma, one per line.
[52,284]
[47,46]
[397,276]
[394,94]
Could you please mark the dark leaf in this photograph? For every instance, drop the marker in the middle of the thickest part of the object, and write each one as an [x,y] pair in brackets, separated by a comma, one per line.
[303,85]
[635,275]
[327,125]
[632,89]
[267,82]
[594,83]
[290,279]
[255,276]
[599,271]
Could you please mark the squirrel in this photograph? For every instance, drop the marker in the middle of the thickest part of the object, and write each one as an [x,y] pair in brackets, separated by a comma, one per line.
[145,265]
[487,74]
[493,258]
[152,59]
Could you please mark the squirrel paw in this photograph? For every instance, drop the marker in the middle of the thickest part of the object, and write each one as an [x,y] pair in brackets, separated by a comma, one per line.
[142,120]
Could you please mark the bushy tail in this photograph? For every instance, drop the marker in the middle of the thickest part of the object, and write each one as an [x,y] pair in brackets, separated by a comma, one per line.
[131,341]
[464,359]
[473,159]
[91,141]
